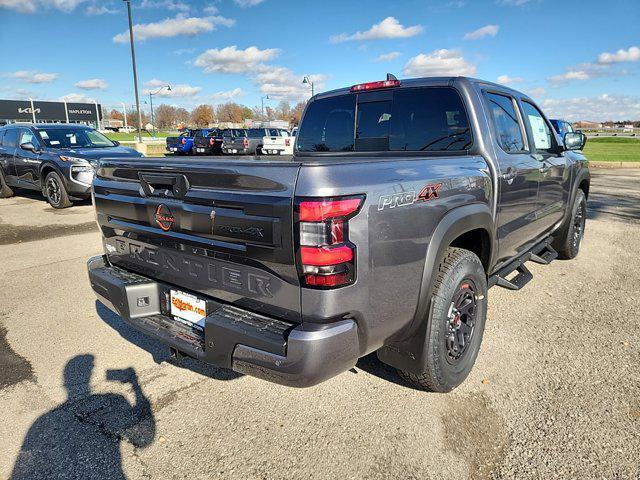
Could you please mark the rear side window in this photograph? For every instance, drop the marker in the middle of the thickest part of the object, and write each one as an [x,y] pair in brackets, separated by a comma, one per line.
[505,121]
[411,120]
[11,138]
[256,132]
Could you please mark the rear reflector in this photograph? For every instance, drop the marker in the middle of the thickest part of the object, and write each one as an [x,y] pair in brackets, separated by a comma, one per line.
[375,85]
[325,256]
[327,280]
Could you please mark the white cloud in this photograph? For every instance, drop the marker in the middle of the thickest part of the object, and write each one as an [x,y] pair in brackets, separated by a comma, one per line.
[76,98]
[390,27]
[601,108]
[506,79]
[281,83]
[177,91]
[100,10]
[247,3]
[92,84]
[486,31]
[232,60]
[441,62]
[36,6]
[622,55]
[536,92]
[570,75]
[386,57]
[173,5]
[172,27]
[513,3]
[211,10]
[31,76]
[228,95]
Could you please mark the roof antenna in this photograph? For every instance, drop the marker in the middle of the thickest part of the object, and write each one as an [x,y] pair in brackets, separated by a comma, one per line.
[391,76]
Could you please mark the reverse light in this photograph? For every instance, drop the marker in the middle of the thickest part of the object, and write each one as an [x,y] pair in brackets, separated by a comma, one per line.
[327,257]
[362,87]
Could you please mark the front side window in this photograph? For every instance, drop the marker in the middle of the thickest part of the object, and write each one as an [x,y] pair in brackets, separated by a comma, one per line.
[542,136]
[256,133]
[567,127]
[27,136]
[73,138]
[506,123]
[410,120]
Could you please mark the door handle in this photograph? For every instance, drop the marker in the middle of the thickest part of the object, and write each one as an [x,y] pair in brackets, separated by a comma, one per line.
[538,157]
[509,175]
[154,184]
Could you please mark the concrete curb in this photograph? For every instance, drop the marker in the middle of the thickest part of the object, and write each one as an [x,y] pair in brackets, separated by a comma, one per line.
[614,164]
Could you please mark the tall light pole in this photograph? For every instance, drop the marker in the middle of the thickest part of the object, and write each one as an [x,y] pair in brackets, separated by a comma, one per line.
[135,73]
[308,81]
[124,109]
[262,99]
[151,94]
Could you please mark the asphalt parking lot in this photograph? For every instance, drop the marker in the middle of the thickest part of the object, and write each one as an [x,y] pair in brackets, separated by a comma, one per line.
[555,391]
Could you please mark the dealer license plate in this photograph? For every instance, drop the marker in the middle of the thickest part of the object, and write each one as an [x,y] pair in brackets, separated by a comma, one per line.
[188,307]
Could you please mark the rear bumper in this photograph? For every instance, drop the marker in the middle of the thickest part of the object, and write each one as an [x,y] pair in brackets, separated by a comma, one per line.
[295,355]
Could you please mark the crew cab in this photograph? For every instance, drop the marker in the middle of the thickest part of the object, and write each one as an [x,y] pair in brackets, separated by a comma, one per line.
[58,160]
[251,144]
[279,144]
[183,144]
[212,143]
[403,203]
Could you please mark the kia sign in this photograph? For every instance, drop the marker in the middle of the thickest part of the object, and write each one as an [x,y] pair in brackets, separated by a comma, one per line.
[22,111]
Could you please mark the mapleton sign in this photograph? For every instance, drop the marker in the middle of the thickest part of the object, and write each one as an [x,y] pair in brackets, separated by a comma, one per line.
[27,111]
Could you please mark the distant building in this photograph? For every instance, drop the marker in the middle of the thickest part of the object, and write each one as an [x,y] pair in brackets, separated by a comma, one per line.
[12,111]
[586,125]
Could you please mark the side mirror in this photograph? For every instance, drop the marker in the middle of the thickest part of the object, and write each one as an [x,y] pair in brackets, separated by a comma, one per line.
[574,140]
[116,143]
[29,146]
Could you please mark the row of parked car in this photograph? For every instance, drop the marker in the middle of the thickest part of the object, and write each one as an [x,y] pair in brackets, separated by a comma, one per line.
[233,141]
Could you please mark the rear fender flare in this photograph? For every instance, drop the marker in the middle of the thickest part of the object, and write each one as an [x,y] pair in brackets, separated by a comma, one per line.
[406,350]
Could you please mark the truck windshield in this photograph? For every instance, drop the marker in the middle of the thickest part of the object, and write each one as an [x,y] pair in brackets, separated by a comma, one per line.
[74,138]
[408,119]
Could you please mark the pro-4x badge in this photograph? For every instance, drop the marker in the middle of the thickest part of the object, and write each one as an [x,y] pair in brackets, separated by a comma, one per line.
[164,217]
[394,200]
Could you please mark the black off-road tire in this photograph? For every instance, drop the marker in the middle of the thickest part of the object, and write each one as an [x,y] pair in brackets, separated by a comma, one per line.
[460,275]
[568,239]
[55,191]
[5,190]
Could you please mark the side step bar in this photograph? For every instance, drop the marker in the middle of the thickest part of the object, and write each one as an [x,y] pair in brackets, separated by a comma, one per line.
[542,253]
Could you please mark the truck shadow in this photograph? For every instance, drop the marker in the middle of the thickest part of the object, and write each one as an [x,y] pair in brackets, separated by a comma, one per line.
[81,437]
[160,352]
[372,365]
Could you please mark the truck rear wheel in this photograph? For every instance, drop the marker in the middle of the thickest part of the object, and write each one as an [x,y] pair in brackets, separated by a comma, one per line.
[5,190]
[568,241]
[459,310]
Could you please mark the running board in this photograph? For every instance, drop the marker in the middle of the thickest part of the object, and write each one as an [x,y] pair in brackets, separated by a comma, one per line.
[542,253]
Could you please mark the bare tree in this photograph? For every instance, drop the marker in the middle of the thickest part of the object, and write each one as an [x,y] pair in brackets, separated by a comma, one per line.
[116,115]
[296,113]
[165,116]
[230,112]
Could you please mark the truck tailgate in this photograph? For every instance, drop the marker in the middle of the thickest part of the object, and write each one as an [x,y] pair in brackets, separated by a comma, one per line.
[221,228]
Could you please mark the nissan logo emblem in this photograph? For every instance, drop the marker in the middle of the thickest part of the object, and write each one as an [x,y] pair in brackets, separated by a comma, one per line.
[164,217]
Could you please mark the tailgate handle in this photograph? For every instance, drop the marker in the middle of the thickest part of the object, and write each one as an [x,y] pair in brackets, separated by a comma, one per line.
[161,184]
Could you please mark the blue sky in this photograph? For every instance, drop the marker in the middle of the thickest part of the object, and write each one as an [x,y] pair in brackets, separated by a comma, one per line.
[579,59]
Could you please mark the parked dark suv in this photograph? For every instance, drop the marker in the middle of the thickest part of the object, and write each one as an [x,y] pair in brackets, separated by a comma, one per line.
[57,159]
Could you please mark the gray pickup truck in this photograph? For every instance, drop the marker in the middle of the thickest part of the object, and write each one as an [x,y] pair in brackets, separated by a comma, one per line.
[251,144]
[403,203]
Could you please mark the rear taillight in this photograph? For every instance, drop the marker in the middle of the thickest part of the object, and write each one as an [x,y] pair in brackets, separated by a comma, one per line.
[245,142]
[327,257]
[287,142]
[212,141]
[184,141]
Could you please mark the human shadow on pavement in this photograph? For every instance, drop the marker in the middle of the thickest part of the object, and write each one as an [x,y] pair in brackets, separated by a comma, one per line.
[80,438]
[159,351]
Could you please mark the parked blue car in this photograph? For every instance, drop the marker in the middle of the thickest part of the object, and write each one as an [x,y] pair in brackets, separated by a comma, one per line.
[561,126]
[183,144]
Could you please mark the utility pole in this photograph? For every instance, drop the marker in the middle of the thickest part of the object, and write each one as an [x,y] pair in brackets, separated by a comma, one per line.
[151,94]
[262,99]
[135,73]
[308,81]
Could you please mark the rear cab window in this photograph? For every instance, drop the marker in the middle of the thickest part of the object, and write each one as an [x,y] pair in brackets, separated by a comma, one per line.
[256,133]
[418,119]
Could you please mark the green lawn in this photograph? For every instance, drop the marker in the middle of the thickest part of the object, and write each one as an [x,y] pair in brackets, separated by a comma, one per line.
[131,137]
[613,149]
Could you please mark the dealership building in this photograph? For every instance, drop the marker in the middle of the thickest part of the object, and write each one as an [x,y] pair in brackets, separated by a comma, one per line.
[12,111]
